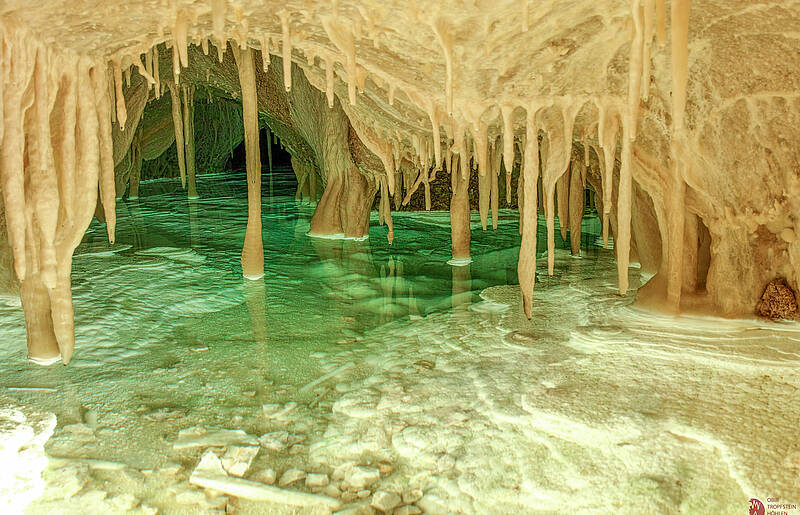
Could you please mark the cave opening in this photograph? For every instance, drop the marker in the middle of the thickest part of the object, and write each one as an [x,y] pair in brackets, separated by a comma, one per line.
[277,174]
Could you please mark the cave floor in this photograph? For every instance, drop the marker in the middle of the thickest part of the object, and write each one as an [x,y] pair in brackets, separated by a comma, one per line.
[354,354]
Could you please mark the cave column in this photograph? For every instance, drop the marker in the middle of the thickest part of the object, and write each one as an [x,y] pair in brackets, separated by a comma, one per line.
[177,122]
[136,165]
[42,344]
[459,216]
[188,129]
[253,248]
[576,202]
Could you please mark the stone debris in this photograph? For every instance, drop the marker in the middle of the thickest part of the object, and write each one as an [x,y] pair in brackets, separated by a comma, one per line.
[412,496]
[290,476]
[408,509]
[360,477]
[210,474]
[202,437]
[317,480]
[278,411]
[276,441]
[267,476]
[237,459]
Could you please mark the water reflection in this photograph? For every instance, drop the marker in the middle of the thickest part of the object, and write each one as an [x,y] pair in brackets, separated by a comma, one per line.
[317,289]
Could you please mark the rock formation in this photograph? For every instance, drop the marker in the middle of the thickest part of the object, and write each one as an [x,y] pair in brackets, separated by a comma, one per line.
[682,118]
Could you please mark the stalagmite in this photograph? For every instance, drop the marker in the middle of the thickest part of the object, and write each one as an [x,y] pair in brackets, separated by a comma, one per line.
[188,129]
[253,248]
[526,267]
[177,122]
[287,49]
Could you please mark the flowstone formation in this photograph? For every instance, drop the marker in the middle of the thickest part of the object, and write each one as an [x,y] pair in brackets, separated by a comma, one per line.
[680,117]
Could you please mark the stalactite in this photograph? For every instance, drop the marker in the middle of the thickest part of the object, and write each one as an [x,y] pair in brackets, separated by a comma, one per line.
[265,57]
[680,61]
[122,115]
[622,243]
[148,63]
[562,199]
[661,21]
[137,61]
[136,171]
[329,81]
[577,183]
[526,267]
[181,38]
[433,114]
[508,139]
[253,248]
[677,186]
[635,68]
[446,41]
[177,122]
[107,188]
[218,8]
[555,159]
[484,191]
[607,129]
[287,49]
[156,70]
[495,193]
[188,129]
[459,215]
[387,210]
[649,13]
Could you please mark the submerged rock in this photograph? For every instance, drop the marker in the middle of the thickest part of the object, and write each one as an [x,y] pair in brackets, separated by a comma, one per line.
[385,501]
[778,301]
